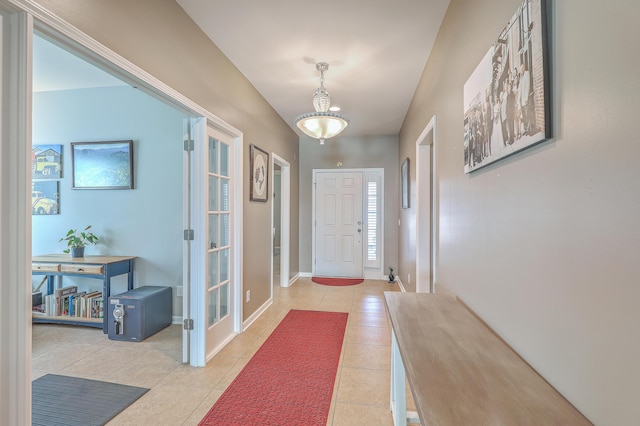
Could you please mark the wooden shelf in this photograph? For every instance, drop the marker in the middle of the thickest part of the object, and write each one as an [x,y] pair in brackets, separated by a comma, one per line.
[98,267]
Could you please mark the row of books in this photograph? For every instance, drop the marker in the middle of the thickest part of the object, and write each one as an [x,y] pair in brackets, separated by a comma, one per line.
[67,301]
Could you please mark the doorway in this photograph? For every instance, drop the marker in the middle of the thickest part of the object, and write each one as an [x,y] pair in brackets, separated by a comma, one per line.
[426,209]
[280,221]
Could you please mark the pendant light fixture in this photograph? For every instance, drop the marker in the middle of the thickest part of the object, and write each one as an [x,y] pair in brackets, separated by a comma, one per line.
[322,124]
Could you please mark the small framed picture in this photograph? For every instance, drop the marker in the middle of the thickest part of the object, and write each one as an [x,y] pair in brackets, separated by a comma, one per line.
[404,176]
[46,162]
[45,197]
[259,174]
[102,165]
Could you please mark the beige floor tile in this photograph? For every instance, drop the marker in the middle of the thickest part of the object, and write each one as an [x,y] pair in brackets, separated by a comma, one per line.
[361,415]
[202,409]
[367,356]
[360,385]
[162,405]
[368,335]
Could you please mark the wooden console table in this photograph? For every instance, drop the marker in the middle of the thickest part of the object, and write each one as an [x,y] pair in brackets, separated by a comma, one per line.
[100,267]
[460,372]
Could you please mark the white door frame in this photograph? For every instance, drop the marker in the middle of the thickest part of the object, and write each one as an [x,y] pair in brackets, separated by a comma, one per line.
[36,17]
[16,40]
[427,204]
[285,219]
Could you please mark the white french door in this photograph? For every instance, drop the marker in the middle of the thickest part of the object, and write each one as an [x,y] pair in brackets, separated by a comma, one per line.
[338,224]
[214,268]
[219,306]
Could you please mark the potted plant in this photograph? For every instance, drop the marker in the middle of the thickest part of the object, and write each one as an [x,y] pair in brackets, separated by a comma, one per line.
[76,241]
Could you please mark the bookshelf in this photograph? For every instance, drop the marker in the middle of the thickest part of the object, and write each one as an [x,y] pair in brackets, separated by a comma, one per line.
[99,267]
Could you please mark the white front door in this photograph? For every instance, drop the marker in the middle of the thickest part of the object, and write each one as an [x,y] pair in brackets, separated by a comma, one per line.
[339,224]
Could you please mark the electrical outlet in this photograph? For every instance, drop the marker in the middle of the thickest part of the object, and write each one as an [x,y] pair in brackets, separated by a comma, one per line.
[248,296]
[179,291]
[409,278]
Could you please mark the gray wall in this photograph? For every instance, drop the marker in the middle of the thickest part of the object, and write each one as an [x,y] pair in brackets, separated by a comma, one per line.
[160,38]
[544,246]
[354,153]
[144,222]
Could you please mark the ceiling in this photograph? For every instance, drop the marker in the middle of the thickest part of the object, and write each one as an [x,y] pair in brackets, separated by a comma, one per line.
[376,50]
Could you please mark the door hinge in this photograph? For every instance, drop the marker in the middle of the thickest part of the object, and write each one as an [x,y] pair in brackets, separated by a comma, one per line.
[188,235]
[188,324]
[188,145]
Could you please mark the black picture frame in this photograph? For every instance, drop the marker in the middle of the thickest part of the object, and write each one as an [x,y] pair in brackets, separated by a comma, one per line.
[258,174]
[404,182]
[507,102]
[102,165]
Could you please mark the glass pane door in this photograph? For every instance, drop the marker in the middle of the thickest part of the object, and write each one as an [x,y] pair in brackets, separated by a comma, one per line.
[219,240]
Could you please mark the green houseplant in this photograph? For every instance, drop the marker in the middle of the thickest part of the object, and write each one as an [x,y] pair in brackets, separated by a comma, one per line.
[78,240]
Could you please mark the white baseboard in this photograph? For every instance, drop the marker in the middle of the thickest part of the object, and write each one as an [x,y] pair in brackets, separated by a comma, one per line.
[293,279]
[246,324]
[399,281]
[305,274]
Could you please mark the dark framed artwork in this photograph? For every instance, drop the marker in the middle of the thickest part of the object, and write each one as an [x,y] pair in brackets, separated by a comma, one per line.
[259,174]
[506,99]
[46,162]
[102,165]
[45,197]
[404,180]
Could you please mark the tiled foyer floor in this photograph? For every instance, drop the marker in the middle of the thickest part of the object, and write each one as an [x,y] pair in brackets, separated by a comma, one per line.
[181,395]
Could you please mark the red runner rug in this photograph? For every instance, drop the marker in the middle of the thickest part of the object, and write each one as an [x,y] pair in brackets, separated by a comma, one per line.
[289,380]
[336,281]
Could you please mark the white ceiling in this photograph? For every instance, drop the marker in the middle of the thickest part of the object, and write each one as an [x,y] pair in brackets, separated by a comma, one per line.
[376,50]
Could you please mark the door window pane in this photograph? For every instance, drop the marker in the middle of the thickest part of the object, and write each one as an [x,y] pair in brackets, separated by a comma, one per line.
[224,194]
[213,307]
[213,269]
[213,155]
[224,159]
[224,230]
[214,240]
[224,265]
[213,193]
[224,300]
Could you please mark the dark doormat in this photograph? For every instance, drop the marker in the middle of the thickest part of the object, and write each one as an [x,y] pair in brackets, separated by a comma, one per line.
[70,401]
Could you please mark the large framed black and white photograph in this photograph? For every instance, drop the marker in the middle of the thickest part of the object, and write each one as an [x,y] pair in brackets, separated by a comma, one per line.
[404,182]
[259,174]
[506,98]
[102,165]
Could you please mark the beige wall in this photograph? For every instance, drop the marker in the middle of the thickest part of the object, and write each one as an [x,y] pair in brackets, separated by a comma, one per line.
[544,246]
[354,153]
[160,38]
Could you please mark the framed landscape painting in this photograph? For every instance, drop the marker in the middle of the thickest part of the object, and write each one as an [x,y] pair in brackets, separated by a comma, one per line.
[102,165]
[506,98]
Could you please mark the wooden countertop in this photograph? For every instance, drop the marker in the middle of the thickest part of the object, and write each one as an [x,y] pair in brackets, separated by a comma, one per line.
[461,373]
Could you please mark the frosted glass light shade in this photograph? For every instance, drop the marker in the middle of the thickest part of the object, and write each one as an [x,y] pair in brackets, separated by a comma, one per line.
[322,125]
